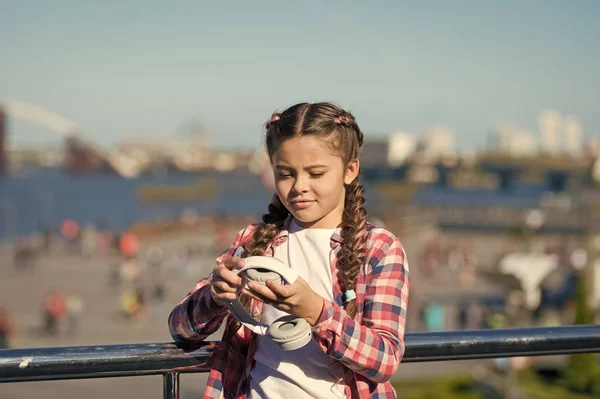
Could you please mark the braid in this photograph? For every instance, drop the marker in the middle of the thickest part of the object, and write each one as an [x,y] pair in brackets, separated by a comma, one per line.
[347,120]
[354,235]
[272,224]
[257,246]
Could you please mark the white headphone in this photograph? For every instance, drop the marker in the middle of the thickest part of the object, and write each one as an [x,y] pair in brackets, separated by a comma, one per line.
[288,332]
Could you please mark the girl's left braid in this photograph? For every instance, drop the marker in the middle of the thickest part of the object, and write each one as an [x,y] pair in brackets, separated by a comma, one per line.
[354,235]
[354,220]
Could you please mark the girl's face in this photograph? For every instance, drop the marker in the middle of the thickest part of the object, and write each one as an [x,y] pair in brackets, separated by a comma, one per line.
[310,178]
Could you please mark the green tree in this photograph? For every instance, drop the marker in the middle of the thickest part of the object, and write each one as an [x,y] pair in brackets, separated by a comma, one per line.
[581,373]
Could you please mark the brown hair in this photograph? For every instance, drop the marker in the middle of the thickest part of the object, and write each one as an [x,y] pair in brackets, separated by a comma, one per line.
[320,120]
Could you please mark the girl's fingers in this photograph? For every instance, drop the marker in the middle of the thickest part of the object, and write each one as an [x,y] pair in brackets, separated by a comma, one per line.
[265,292]
[259,297]
[228,276]
[221,297]
[226,296]
[221,286]
[234,262]
[280,290]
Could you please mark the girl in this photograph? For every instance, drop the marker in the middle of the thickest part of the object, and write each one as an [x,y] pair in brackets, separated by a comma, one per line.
[353,286]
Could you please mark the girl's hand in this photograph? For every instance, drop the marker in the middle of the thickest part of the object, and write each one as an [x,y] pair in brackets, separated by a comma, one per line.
[224,283]
[297,299]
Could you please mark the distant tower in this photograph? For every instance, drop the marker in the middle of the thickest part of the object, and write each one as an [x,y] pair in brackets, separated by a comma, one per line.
[572,136]
[3,145]
[549,123]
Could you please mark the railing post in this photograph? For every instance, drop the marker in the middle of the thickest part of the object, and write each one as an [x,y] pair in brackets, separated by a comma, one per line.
[171,385]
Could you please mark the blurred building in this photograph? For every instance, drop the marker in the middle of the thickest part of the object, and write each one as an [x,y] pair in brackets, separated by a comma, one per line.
[44,157]
[507,140]
[438,142]
[374,153]
[189,153]
[225,161]
[81,157]
[523,143]
[400,147]
[572,136]
[549,126]
[3,145]
[499,136]
[592,147]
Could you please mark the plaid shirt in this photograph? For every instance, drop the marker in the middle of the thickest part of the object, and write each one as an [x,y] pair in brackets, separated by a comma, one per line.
[365,351]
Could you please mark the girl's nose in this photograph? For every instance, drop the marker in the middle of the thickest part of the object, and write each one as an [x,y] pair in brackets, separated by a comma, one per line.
[301,184]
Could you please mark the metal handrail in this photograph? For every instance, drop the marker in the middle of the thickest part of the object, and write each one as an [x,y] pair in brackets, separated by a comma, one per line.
[17,365]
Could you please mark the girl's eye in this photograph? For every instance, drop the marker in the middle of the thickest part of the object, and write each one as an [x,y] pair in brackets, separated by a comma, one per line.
[283,175]
[316,175]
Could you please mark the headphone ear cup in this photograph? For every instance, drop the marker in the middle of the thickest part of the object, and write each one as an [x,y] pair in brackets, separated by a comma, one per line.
[261,276]
[290,332]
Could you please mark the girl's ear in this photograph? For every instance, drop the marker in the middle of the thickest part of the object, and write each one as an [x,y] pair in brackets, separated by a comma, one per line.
[352,170]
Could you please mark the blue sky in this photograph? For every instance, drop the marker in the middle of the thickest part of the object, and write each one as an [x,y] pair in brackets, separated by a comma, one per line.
[146,68]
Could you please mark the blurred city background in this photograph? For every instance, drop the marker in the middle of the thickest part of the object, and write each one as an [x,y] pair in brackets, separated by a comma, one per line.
[130,155]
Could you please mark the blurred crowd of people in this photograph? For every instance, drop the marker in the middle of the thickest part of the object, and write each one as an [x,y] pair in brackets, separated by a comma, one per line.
[136,278]
[61,312]
[455,289]
[136,275]
[442,256]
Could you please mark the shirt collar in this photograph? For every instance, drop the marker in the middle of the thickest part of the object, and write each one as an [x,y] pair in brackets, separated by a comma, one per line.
[282,236]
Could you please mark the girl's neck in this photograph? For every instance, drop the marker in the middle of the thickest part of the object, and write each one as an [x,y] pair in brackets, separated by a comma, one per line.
[297,225]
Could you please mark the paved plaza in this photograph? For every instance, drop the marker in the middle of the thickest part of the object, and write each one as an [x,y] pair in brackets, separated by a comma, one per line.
[102,322]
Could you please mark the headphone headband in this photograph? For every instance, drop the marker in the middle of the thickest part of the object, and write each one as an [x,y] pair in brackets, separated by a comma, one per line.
[288,332]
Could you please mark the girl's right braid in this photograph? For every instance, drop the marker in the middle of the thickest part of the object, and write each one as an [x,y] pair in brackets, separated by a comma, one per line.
[272,224]
[257,246]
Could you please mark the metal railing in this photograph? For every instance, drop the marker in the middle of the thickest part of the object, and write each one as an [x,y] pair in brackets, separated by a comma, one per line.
[18,365]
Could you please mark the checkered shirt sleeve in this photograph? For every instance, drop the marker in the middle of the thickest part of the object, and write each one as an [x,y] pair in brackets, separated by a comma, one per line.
[197,316]
[374,347]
